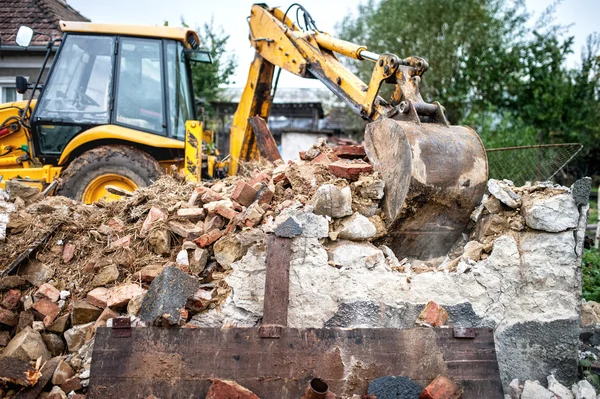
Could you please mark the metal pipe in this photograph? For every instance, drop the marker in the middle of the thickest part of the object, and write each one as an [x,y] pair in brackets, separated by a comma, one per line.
[318,389]
[369,55]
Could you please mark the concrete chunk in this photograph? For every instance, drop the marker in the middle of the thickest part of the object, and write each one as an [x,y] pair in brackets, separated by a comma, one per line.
[27,345]
[167,296]
[356,228]
[533,390]
[332,201]
[553,214]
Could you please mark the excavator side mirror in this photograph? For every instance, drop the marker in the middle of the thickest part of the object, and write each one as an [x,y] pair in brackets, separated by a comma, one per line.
[24,36]
[22,85]
[198,56]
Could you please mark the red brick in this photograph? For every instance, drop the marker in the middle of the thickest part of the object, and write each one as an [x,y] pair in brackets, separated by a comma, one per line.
[8,318]
[106,314]
[47,309]
[433,315]
[11,299]
[350,170]
[68,252]
[150,272]
[265,196]
[441,388]
[208,195]
[326,158]
[302,155]
[222,389]
[350,151]
[154,215]
[279,177]
[226,212]
[98,297]
[122,242]
[208,238]
[192,214]
[120,295]
[47,291]
[261,177]
[243,193]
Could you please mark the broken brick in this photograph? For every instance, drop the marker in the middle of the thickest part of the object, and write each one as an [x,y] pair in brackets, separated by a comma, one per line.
[185,229]
[265,196]
[350,170]
[62,373]
[149,273]
[98,297]
[253,215]
[72,384]
[226,212]
[350,151]
[213,222]
[154,215]
[68,252]
[47,291]
[221,389]
[191,214]
[11,299]
[303,156]
[47,309]
[208,195]
[433,315]
[120,295]
[8,318]
[243,193]
[59,325]
[106,314]
[441,388]
[25,320]
[279,177]
[122,242]
[326,158]
[199,301]
[261,177]
[208,238]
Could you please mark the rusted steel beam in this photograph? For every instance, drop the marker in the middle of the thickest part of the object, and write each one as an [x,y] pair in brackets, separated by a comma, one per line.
[264,139]
[183,361]
[277,286]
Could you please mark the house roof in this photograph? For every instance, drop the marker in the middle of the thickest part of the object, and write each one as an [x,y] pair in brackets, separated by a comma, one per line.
[41,15]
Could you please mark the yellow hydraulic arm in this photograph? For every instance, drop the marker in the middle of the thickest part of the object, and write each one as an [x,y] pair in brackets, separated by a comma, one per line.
[310,53]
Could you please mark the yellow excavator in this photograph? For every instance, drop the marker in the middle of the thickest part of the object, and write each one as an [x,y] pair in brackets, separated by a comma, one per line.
[117,110]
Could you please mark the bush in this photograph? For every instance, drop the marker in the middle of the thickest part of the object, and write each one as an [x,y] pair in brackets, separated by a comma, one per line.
[591,274]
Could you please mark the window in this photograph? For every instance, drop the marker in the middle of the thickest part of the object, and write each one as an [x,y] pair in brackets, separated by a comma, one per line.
[78,90]
[179,90]
[8,90]
[139,96]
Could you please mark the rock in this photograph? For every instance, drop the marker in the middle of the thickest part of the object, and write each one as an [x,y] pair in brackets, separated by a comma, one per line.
[473,250]
[68,252]
[26,318]
[83,312]
[441,387]
[167,296]
[133,307]
[589,317]
[313,226]
[123,242]
[356,255]
[198,260]
[60,324]
[228,250]
[107,275]
[288,229]
[27,345]
[47,291]
[17,189]
[558,389]
[493,205]
[332,201]
[8,318]
[47,310]
[390,387]
[502,191]
[220,389]
[213,222]
[533,390]
[433,315]
[72,384]
[4,338]
[552,214]
[56,393]
[253,215]
[514,389]
[581,191]
[54,343]
[200,300]
[37,273]
[78,335]
[98,297]
[356,227]
[149,273]
[185,229]
[8,282]
[154,215]
[182,259]
[11,299]
[350,170]
[160,241]
[583,390]
[107,314]
[120,295]
[369,187]
[226,211]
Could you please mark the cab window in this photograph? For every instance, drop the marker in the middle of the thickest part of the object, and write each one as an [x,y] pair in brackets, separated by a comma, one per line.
[139,91]
[179,90]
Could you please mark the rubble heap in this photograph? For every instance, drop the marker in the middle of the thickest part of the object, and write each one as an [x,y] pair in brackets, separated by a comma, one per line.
[184,255]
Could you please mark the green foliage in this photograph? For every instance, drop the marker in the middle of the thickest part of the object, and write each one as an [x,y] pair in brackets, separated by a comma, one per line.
[591,274]
[493,68]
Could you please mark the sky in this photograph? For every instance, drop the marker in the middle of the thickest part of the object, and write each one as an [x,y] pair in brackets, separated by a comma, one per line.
[582,15]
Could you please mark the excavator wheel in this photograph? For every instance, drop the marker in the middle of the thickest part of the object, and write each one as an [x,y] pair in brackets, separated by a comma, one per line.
[120,166]
[435,175]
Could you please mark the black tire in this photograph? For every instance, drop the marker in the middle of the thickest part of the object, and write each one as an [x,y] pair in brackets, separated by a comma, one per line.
[122,160]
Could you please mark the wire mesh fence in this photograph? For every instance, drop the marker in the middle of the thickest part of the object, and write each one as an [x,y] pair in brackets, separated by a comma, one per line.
[530,163]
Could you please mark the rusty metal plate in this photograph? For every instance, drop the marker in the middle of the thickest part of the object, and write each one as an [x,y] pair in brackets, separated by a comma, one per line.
[179,363]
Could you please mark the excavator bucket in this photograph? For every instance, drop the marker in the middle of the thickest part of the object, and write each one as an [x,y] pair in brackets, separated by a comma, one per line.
[435,175]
